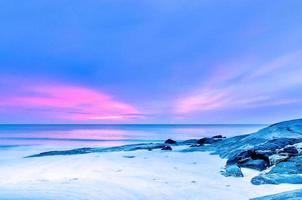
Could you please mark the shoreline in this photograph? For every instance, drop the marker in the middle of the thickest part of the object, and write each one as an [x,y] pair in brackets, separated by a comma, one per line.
[190,169]
[148,175]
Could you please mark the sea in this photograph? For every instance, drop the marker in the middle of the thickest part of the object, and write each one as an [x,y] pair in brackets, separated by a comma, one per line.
[113,134]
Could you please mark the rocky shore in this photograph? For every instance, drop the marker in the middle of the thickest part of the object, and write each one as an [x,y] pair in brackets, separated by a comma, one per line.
[275,151]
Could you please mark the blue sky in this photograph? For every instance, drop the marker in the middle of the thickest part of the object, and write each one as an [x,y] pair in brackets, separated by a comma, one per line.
[157,61]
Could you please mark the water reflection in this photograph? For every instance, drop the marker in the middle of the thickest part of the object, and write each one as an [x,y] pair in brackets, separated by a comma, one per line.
[111,135]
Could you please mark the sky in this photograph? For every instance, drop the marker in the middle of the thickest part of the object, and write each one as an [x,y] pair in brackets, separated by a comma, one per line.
[150,61]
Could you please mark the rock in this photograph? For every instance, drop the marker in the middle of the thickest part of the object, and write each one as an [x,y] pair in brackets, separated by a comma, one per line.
[298,147]
[276,144]
[255,164]
[218,136]
[277,179]
[276,158]
[130,147]
[289,171]
[291,195]
[64,153]
[129,156]
[292,166]
[167,148]
[289,150]
[232,170]
[195,145]
[288,132]
[206,141]
[258,160]
[240,157]
[262,155]
[170,141]
[188,142]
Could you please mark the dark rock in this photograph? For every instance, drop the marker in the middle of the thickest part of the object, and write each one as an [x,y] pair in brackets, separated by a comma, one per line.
[218,137]
[170,141]
[206,141]
[232,170]
[262,155]
[167,148]
[252,158]
[290,150]
[255,164]
[129,156]
[240,157]
[258,160]
[291,130]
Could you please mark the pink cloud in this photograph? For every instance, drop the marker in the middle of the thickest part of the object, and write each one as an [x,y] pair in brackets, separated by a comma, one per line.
[235,86]
[72,103]
[205,100]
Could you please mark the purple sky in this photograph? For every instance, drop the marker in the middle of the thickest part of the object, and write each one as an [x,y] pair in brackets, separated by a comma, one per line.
[157,61]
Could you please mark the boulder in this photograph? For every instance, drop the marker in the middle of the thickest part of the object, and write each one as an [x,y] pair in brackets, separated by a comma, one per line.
[232,170]
[289,150]
[206,140]
[289,171]
[240,157]
[167,148]
[218,136]
[170,141]
[255,164]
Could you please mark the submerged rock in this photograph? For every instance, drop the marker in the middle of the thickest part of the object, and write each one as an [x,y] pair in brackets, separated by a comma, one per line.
[188,142]
[68,152]
[232,170]
[131,147]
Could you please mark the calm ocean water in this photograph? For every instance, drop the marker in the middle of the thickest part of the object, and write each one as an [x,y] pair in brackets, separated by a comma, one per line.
[109,135]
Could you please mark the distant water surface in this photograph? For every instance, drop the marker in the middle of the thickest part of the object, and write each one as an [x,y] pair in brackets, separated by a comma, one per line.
[110,135]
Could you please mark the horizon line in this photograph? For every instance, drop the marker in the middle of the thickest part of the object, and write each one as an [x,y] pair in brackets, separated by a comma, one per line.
[135,124]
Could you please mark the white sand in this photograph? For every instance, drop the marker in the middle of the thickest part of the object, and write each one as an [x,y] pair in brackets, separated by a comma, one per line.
[154,175]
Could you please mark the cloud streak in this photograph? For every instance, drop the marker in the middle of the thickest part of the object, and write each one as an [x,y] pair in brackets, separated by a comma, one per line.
[247,86]
[70,103]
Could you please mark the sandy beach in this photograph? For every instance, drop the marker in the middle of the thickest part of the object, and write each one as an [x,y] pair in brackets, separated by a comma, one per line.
[123,175]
